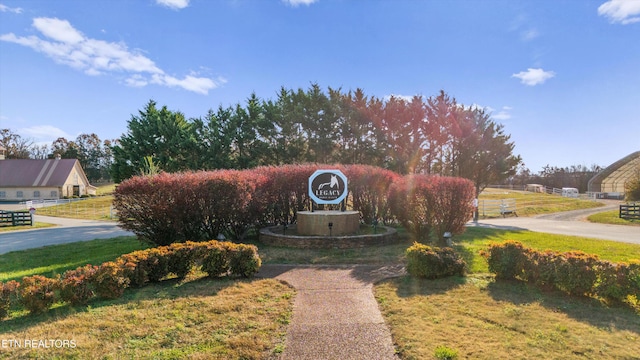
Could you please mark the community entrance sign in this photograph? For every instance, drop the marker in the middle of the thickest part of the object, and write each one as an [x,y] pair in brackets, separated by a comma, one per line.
[328,186]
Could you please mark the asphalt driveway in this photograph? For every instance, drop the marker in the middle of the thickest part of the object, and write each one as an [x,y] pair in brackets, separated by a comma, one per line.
[66,231]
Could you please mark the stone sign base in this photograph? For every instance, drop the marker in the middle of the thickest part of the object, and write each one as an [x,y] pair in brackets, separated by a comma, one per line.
[316,223]
[274,236]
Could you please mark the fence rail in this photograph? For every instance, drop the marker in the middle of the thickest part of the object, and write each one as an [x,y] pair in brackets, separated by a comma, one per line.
[492,208]
[15,218]
[630,211]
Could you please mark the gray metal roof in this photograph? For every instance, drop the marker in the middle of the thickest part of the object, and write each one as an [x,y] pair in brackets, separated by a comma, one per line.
[35,173]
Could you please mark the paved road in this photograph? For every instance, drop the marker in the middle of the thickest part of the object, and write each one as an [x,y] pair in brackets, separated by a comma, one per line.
[568,223]
[67,231]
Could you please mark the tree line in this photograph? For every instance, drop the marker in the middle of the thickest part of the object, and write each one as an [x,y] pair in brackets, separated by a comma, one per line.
[435,136]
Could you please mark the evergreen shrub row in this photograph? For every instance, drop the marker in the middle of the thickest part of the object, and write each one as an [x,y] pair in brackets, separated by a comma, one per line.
[433,262]
[108,281]
[167,208]
[574,272]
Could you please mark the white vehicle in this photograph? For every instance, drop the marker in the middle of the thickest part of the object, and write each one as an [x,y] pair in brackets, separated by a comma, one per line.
[570,192]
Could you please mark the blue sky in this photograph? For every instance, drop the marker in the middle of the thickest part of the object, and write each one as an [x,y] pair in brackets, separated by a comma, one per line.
[563,77]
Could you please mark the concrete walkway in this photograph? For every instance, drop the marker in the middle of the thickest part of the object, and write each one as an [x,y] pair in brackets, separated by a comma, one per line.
[335,315]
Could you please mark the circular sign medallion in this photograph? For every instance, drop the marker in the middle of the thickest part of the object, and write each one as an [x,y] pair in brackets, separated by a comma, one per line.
[328,186]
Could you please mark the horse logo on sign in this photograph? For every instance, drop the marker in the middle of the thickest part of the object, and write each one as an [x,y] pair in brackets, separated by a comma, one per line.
[328,186]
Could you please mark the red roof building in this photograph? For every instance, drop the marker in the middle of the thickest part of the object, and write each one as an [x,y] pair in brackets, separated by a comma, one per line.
[27,179]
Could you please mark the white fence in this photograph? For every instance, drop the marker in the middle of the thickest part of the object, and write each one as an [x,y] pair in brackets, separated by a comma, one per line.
[493,208]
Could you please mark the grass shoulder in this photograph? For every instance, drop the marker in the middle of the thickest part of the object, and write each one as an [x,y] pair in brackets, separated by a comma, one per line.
[612,217]
[37,225]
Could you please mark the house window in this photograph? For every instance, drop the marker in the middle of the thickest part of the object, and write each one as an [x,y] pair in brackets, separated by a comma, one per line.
[54,194]
[19,194]
[3,194]
[36,194]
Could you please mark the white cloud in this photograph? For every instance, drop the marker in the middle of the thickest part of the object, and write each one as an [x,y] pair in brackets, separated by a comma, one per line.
[530,34]
[503,114]
[533,77]
[296,3]
[66,45]
[5,8]
[196,84]
[173,4]
[621,11]
[44,132]
[407,98]
[59,30]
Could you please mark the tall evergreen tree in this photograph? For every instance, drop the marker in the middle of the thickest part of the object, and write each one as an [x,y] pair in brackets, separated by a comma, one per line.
[166,136]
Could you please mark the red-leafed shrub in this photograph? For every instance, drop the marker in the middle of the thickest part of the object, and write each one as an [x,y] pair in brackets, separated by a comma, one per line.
[78,286]
[150,207]
[409,205]
[422,203]
[432,262]
[168,208]
[38,293]
[8,295]
[286,191]
[110,280]
[452,204]
[368,189]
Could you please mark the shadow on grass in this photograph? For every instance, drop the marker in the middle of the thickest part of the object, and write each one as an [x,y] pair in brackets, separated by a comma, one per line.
[172,288]
[583,309]
[409,286]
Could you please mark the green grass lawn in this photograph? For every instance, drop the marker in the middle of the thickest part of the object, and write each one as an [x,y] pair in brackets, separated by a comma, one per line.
[56,259]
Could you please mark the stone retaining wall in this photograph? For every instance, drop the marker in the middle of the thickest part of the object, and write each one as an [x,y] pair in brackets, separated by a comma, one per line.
[386,236]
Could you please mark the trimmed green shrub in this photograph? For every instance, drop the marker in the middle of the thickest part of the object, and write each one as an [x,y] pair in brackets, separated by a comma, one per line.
[215,261]
[614,281]
[432,263]
[506,260]
[576,272]
[182,258]
[445,353]
[134,266]
[8,295]
[540,268]
[78,286]
[110,280]
[156,263]
[38,293]
[243,260]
